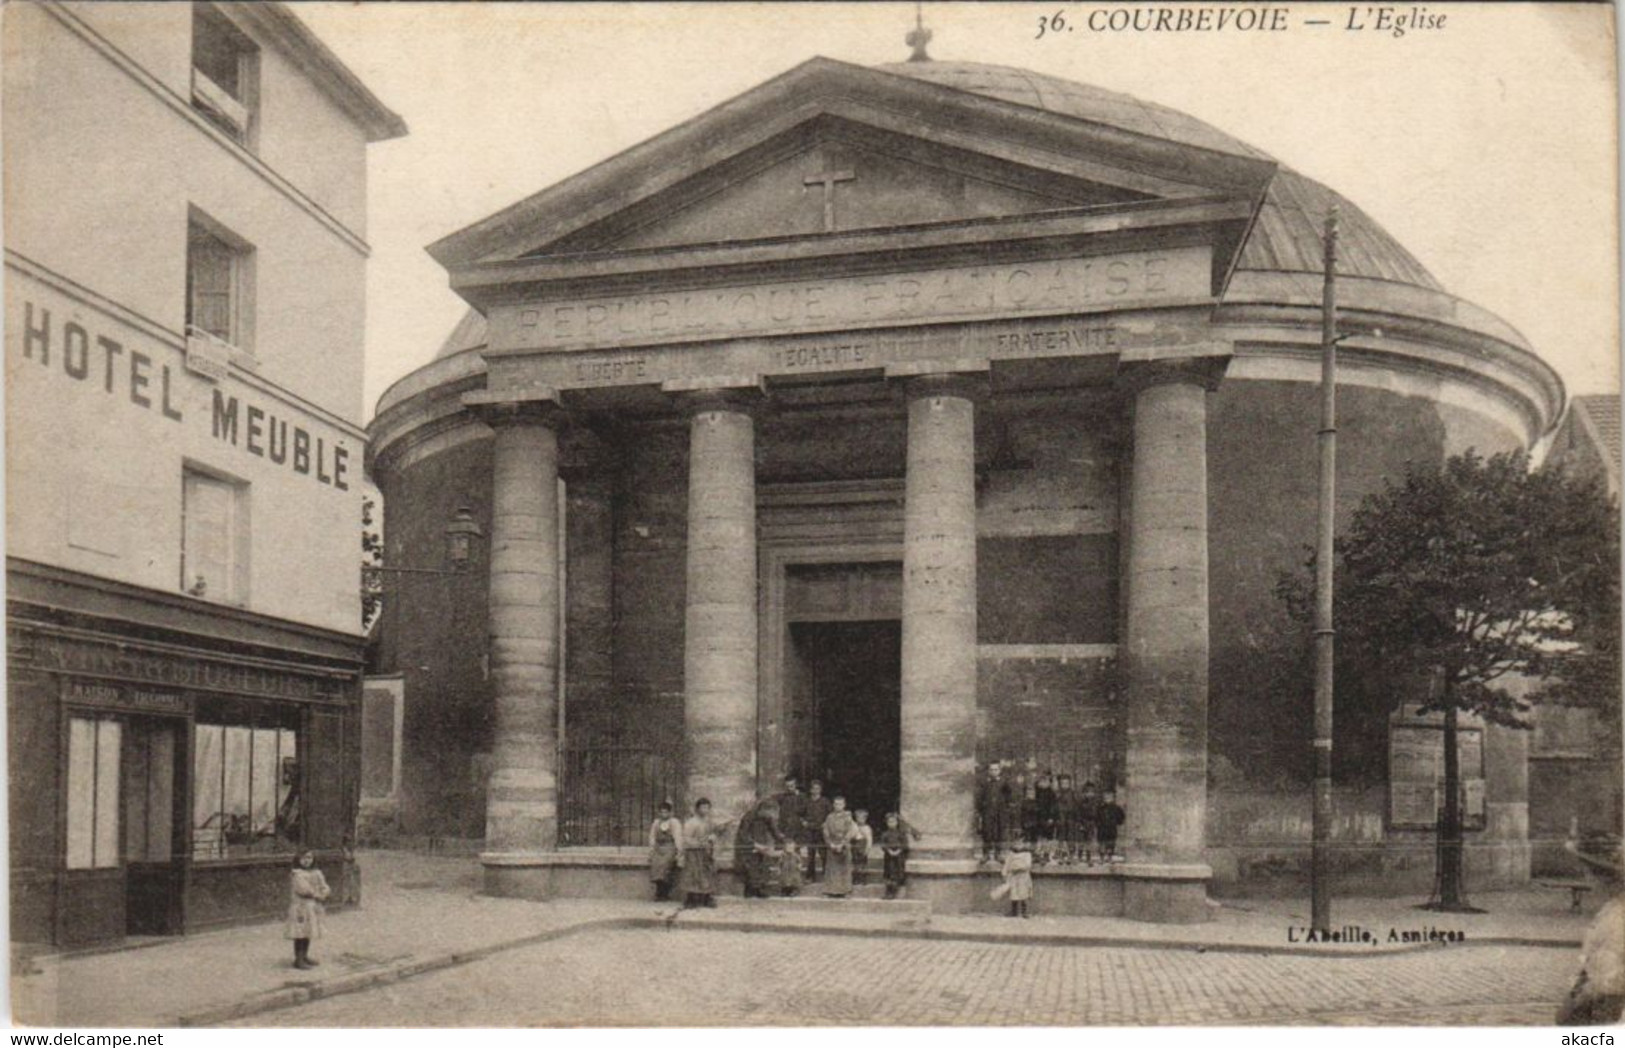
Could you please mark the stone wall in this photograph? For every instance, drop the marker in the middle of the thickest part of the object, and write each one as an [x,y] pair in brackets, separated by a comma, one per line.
[433,633]
[1261,519]
[651,521]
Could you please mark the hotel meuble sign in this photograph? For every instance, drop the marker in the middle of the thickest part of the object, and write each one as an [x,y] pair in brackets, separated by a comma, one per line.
[102,363]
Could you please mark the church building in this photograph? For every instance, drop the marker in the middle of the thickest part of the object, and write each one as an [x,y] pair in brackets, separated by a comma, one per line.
[883,423]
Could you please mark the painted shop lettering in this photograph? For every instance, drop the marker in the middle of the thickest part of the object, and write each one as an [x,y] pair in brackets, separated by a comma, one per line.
[101,361]
[193,672]
[267,436]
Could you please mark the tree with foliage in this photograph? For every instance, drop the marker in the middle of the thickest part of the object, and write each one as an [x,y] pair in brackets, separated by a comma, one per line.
[372,556]
[1463,578]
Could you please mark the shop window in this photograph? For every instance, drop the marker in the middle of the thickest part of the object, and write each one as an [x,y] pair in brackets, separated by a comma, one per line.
[245,791]
[93,793]
[219,288]
[225,73]
[214,537]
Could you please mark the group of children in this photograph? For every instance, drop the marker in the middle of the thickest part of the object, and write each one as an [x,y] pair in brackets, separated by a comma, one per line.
[1064,825]
[783,843]
[789,840]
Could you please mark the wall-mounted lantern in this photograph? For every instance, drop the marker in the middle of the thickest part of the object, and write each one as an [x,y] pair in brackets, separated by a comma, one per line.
[462,535]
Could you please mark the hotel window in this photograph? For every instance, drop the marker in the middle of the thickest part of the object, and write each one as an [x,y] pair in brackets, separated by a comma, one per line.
[219,285]
[214,537]
[93,792]
[245,782]
[225,72]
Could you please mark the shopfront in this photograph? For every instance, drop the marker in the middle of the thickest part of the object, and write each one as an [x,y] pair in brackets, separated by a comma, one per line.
[166,767]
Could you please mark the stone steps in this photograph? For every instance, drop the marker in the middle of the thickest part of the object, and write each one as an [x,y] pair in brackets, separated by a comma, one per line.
[808,902]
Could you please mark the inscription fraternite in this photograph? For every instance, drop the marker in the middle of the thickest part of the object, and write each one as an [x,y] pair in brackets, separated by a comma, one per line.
[1054,287]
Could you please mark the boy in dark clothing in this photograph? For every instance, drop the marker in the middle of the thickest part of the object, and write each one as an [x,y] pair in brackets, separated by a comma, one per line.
[1027,808]
[791,804]
[1066,819]
[992,799]
[814,810]
[894,854]
[1107,820]
[1045,817]
[1088,817]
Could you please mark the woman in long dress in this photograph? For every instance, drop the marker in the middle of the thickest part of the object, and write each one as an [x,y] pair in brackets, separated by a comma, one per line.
[698,880]
[839,829]
[665,851]
[757,849]
[307,889]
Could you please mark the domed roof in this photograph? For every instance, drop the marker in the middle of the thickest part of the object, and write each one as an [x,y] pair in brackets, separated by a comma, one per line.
[1287,234]
[1070,98]
[1285,238]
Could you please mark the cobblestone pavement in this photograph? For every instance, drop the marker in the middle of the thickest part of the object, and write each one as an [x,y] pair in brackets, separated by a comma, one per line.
[650,977]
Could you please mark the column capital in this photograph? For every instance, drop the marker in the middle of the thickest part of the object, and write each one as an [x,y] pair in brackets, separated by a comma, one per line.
[966,379]
[532,407]
[1200,364]
[1196,364]
[740,394]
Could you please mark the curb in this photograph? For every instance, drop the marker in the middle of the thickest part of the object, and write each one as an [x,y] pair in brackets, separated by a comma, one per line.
[355,982]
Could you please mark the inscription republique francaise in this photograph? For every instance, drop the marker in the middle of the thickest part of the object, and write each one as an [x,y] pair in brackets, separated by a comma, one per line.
[1077,285]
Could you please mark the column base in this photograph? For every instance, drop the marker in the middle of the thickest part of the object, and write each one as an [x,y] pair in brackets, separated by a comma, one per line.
[576,873]
[1167,894]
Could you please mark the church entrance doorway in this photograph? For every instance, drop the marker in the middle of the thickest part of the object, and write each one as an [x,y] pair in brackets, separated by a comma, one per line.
[846,683]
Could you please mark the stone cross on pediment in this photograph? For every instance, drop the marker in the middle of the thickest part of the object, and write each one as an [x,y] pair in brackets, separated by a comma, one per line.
[829,180]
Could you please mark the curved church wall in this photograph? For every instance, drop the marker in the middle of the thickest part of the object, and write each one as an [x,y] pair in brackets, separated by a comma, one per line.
[1262,516]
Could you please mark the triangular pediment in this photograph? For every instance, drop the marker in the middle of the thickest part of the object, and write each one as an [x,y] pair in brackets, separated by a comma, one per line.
[884,151]
[833,176]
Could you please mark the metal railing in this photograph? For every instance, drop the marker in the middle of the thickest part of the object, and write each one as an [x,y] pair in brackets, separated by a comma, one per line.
[609,794]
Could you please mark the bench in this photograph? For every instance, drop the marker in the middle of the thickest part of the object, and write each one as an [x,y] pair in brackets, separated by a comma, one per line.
[1576,890]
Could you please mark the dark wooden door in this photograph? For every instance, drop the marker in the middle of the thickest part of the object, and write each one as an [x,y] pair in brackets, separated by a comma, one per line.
[152,793]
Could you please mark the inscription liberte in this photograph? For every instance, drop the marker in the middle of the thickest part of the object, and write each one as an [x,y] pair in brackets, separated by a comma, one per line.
[1068,284]
[859,354]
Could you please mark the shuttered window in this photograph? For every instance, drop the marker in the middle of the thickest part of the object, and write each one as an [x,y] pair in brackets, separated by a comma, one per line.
[211,536]
[215,271]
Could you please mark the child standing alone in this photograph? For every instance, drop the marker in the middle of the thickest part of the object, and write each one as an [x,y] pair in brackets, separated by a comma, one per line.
[1018,876]
[307,889]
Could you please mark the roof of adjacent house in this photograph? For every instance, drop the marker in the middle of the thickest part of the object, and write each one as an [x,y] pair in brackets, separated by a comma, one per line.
[1603,411]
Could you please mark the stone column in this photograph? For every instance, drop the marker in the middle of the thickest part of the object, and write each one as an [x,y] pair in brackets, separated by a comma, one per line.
[719,624]
[521,807]
[939,616]
[1164,653]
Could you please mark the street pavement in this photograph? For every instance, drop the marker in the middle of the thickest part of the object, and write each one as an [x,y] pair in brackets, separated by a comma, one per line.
[703,978]
[424,925]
